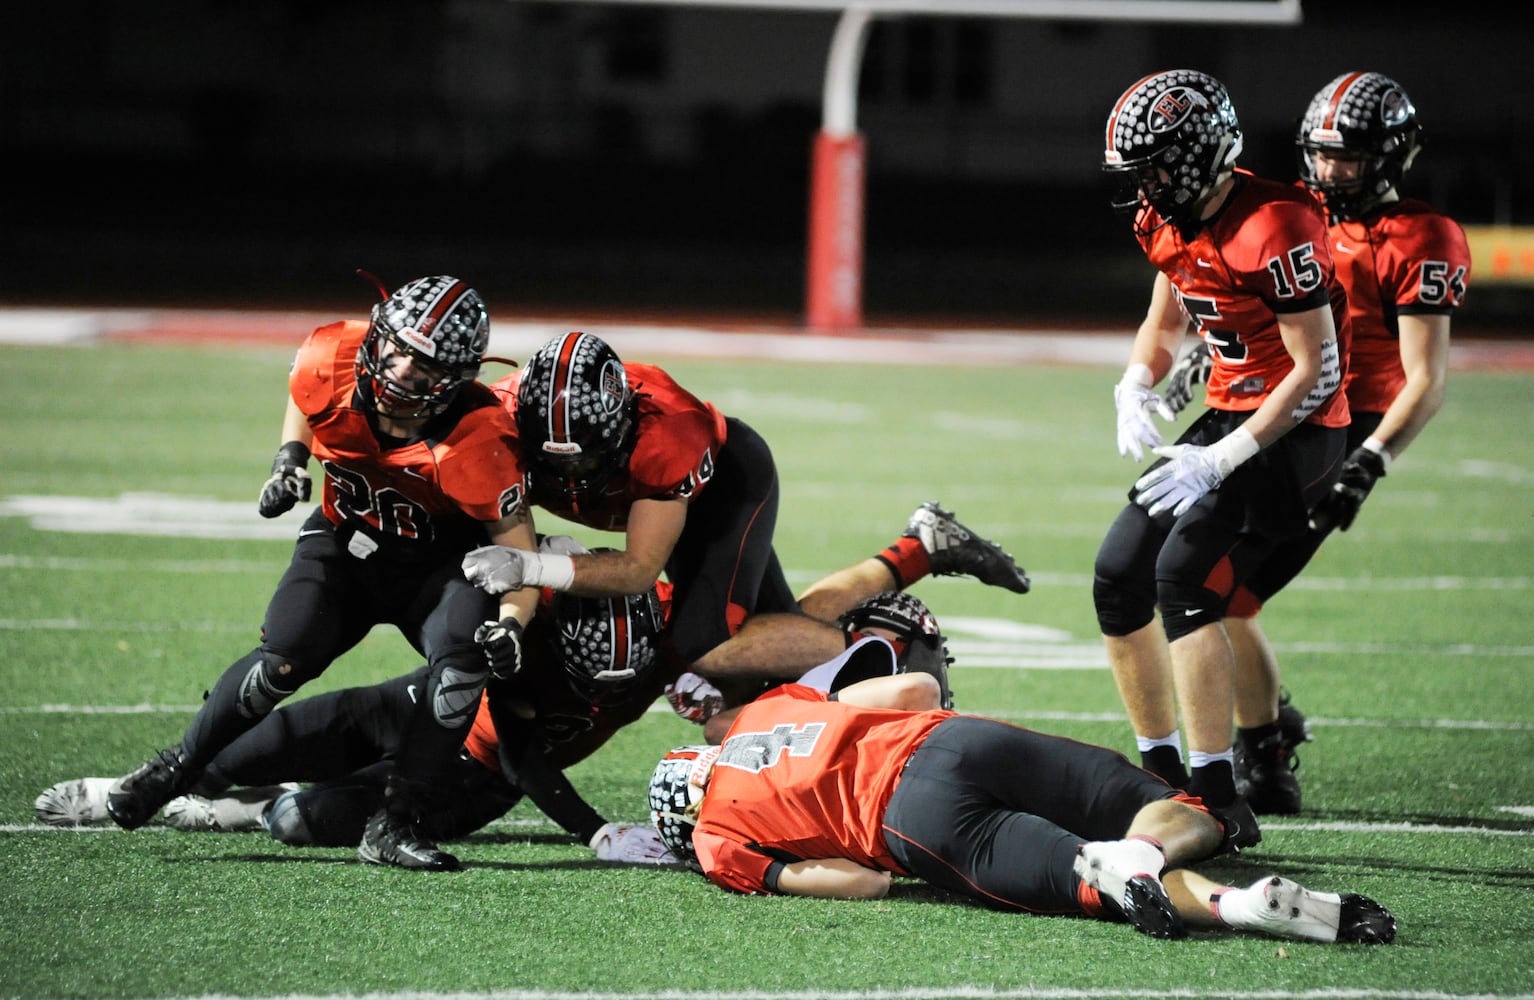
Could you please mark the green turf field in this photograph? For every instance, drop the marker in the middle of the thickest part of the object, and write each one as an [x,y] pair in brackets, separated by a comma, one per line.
[1409,643]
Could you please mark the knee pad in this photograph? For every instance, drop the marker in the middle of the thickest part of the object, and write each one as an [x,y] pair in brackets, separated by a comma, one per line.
[269,680]
[456,687]
[284,820]
[1122,608]
[1185,608]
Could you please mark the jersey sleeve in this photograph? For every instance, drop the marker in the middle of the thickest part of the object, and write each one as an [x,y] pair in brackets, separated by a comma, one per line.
[1282,251]
[481,468]
[729,865]
[1427,264]
[678,441]
[324,369]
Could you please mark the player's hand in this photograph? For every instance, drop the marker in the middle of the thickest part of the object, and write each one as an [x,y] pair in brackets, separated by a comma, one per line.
[1136,429]
[1190,472]
[496,569]
[1190,370]
[289,482]
[502,643]
[1359,474]
[694,698]
[634,845]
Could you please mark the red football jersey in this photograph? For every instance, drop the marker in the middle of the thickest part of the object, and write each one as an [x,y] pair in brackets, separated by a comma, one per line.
[1266,253]
[1406,258]
[677,439]
[800,777]
[474,471]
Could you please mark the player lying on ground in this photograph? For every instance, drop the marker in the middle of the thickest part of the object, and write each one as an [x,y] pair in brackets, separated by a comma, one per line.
[592,666]
[831,795]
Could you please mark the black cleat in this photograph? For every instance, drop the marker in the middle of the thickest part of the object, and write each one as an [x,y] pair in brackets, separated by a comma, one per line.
[1292,724]
[1363,921]
[1241,830]
[954,550]
[1265,778]
[1149,909]
[393,840]
[134,799]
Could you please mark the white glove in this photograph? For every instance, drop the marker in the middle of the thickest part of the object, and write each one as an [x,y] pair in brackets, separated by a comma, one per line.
[1135,402]
[633,845]
[1192,471]
[561,545]
[497,569]
[694,698]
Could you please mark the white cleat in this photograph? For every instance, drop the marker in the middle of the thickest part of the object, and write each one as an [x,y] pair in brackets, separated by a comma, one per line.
[81,802]
[1127,873]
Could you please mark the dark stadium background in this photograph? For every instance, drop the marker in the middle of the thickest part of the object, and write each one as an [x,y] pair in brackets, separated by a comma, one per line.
[643,159]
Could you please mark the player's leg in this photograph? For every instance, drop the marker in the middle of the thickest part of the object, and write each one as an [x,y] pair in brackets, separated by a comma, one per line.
[1124,594]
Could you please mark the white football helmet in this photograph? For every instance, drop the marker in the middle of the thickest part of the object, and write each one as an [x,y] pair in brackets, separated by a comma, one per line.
[676,795]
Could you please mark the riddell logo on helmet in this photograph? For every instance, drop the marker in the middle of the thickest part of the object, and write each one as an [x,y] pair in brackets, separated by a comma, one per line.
[417,341]
[1172,107]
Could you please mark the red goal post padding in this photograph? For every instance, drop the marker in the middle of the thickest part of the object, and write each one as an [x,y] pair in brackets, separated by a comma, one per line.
[835,259]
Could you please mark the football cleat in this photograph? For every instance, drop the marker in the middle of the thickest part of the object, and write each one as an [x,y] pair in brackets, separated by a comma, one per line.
[237,810]
[1127,874]
[134,798]
[81,802]
[392,840]
[954,550]
[1292,724]
[1265,777]
[1240,824]
[1283,908]
[1149,909]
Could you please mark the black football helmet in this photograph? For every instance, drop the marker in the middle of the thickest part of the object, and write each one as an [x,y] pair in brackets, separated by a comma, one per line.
[1179,123]
[443,325]
[676,794]
[608,646]
[575,412]
[1363,116]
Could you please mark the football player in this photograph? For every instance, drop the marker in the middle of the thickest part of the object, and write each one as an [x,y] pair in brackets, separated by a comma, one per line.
[832,795]
[1246,263]
[625,448]
[1406,268]
[420,466]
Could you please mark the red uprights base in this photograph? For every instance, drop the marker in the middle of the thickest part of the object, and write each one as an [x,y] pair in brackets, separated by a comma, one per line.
[834,300]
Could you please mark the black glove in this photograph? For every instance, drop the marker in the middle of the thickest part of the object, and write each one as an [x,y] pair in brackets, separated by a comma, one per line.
[502,642]
[1193,369]
[289,483]
[1340,507]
